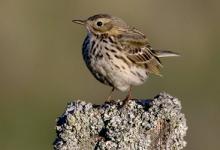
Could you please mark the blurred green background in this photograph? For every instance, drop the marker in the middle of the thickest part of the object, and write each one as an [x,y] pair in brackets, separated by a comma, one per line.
[41,67]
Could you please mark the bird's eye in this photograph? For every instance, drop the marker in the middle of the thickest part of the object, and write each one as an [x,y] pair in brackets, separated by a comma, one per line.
[99,23]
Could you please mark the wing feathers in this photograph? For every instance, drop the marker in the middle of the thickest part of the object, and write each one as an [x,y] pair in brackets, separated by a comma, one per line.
[139,52]
[145,58]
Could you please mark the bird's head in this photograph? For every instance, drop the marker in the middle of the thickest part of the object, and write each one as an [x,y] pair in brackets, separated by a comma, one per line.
[103,24]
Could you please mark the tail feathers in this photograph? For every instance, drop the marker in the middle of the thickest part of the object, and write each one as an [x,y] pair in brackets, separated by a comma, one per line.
[164,53]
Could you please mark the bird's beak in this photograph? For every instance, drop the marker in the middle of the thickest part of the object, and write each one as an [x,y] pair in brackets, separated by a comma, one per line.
[81,22]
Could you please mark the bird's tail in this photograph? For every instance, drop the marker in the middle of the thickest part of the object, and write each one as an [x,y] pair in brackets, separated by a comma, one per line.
[164,53]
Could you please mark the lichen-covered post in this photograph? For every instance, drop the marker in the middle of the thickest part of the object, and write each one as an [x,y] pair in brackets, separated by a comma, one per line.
[139,125]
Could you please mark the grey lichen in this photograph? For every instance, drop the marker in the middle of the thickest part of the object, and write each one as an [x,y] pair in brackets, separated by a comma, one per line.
[138,125]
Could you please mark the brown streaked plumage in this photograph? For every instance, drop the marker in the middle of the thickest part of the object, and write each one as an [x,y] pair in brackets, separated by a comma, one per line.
[119,55]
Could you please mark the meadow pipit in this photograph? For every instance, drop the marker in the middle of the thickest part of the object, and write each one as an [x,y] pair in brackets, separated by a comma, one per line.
[119,55]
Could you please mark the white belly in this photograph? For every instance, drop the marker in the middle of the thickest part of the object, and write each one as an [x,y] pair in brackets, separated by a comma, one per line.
[123,77]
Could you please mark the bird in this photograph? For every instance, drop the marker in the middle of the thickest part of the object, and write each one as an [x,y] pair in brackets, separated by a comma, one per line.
[119,55]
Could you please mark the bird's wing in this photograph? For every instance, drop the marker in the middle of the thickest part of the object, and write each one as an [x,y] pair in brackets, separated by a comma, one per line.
[138,51]
[133,37]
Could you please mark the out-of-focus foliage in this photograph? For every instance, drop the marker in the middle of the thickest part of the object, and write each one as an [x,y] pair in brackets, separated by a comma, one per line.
[41,66]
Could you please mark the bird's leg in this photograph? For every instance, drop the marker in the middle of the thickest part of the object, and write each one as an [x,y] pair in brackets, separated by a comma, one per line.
[128,97]
[110,95]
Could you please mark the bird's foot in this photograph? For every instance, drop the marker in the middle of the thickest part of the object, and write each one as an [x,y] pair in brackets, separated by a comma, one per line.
[126,100]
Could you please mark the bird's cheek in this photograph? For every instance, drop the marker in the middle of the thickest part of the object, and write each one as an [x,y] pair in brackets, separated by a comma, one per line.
[108,26]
